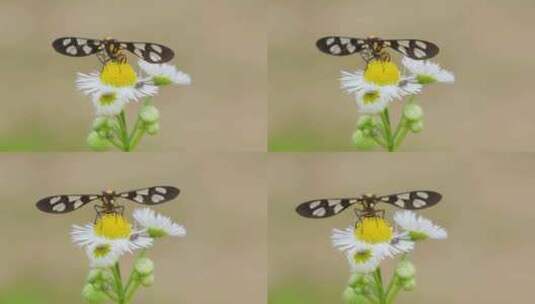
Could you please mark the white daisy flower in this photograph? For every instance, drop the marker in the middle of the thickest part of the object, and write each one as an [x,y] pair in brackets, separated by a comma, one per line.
[371,97]
[426,72]
[362,259]
[157,225]
[164,74]
[113,229]
[108,102]
[417,227]
[103,254]
[91,84]
[373,240]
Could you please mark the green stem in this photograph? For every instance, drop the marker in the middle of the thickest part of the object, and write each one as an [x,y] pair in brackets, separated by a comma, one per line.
[116,270]
[401,132]
[385,118]
[379,285]
[123,129]
[137,134]
[393,289]
[130,293]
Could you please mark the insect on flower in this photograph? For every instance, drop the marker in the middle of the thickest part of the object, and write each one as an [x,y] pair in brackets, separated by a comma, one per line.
[64,203]
[374,48]
[109,49]
[365,205]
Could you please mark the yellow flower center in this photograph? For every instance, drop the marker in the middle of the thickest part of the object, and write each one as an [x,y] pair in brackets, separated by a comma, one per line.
[370,97]
[108,99]
[382,73]
[117,74]
[113,226]
[374,230]
[361,257]
[102,250]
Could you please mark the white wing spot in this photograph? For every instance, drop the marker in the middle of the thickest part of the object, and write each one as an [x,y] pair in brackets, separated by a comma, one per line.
[81,41]
[418,203]
[124,194]
[71,50]
[59,207]
[54,200]
[138,198]
[423,195]
[161,190]
[344,40]
[403,50]
[421,44]
[335,49]
[319,212]
[419,53]
[400,203]
[329,41]
[87,49]
[157,198]
[67,41]
[404,43]
[338,208]
[138,52]
[157,48]
[155,57]
[143,192]
[139,45]
[351,48]
[333,202]
[314,204]
[385,199]
[78,204]
[404,196]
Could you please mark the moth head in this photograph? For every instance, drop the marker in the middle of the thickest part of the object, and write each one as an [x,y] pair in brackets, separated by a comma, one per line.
[369,200]
[109,194]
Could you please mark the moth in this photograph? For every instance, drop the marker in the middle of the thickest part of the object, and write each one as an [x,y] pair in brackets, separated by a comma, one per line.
[365,205]
[374,48]
[109,49]
[65,203]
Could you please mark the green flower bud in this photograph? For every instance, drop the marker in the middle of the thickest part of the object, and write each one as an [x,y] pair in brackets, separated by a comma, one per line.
[417,126]
[94,275]
[107,276]
[408,285]
[147,281]
[362,141]
[413,112]
[96,142]
[144,266]
[101,122]
[352,297]
[405,270]
[152,128]
[365,121]
[92,294]
[149,114]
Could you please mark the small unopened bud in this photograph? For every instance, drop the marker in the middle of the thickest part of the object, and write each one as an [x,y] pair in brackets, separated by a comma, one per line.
[92,294]
[405,270]
[94,275]
[97,142]
[100,122]
[365,121]
[144,266]
[147,281]
[152,128]
[413,112]
[362,141]
[149,114]
[409,284]
[417,126]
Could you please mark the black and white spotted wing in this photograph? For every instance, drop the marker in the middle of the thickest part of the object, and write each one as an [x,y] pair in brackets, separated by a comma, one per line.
[65,203]
[77,47]
[324,207]
[150,52]
[151,195]
[413,48]
[340,46]
[412,200]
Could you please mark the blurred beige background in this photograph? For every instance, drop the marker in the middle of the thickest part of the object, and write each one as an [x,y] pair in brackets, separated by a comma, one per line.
[221,44]
[486,208]
[485,43]
[222,205]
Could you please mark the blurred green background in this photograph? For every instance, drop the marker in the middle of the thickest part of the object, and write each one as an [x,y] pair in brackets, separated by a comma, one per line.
[224,108]
[484,42]
[222,205]
[486,208]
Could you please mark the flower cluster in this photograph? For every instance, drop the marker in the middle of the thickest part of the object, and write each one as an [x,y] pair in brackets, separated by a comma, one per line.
[379,85]
[116,85]
[374,239]
[112,236]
